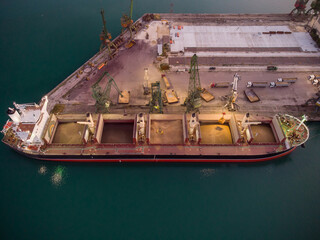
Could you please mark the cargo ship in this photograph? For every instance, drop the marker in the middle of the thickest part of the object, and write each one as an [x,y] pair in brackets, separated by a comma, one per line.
[90,137]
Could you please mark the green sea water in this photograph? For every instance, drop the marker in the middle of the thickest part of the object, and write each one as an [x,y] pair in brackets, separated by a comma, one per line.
[41,43]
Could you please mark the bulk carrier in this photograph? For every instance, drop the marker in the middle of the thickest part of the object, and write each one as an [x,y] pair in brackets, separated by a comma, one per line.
[149,137]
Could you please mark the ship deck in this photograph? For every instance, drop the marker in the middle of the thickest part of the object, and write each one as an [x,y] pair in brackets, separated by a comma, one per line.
[169,152]
[116,135]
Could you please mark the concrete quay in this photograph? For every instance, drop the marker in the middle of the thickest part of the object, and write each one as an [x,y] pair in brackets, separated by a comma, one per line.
[228,55]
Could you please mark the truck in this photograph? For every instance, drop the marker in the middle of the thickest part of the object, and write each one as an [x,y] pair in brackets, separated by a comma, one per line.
[272,68]
[257,84]
[288,80]
[279,84]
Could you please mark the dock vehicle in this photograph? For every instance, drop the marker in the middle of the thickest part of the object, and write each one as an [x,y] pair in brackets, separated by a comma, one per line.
[251,95]
[272,68]
[257,84]
[288,80]
[279,84]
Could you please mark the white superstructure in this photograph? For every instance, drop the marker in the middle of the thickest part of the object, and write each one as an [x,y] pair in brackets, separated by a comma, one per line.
[28,122]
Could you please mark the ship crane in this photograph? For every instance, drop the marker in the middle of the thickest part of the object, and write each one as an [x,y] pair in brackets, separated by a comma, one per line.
[193,100]
[102,98]
[141,128]
[231,99]
[245,124]
[127,23]
[193,130]
[89,122]
[105,37]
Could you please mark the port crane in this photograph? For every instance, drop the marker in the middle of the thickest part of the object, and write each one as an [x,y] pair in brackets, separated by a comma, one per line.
[102,97]
[192,102]
[127,22]
[299,7]
[105,37]
[156,104]
[314,7]
[231,98]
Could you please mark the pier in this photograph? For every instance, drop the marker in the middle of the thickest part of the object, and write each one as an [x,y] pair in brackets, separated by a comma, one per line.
[225,44]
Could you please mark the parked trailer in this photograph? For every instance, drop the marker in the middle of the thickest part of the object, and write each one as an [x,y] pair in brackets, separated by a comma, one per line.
[251,95]
[171,96]
[288,80]
[206,95]
[279,84]
[257,84]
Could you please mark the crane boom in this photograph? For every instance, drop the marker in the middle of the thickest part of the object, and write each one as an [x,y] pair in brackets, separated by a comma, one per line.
[103,21]
[105,36]
[131,9]
[127,22]
[231,99]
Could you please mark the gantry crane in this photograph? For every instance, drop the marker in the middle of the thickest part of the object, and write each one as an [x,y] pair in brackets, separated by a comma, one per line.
[156,104]
[192,102]
[105,37]
[103,97]
[127,22]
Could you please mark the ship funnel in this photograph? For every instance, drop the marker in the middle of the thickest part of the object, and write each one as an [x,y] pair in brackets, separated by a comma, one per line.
[14,115]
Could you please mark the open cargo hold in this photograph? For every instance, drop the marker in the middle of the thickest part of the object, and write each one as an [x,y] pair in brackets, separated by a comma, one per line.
[153,137]
[117,132]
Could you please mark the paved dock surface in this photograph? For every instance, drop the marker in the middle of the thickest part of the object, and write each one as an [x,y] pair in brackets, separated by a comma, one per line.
[295,59]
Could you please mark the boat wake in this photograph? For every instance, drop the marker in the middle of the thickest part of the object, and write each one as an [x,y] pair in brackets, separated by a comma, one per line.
[58,176]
